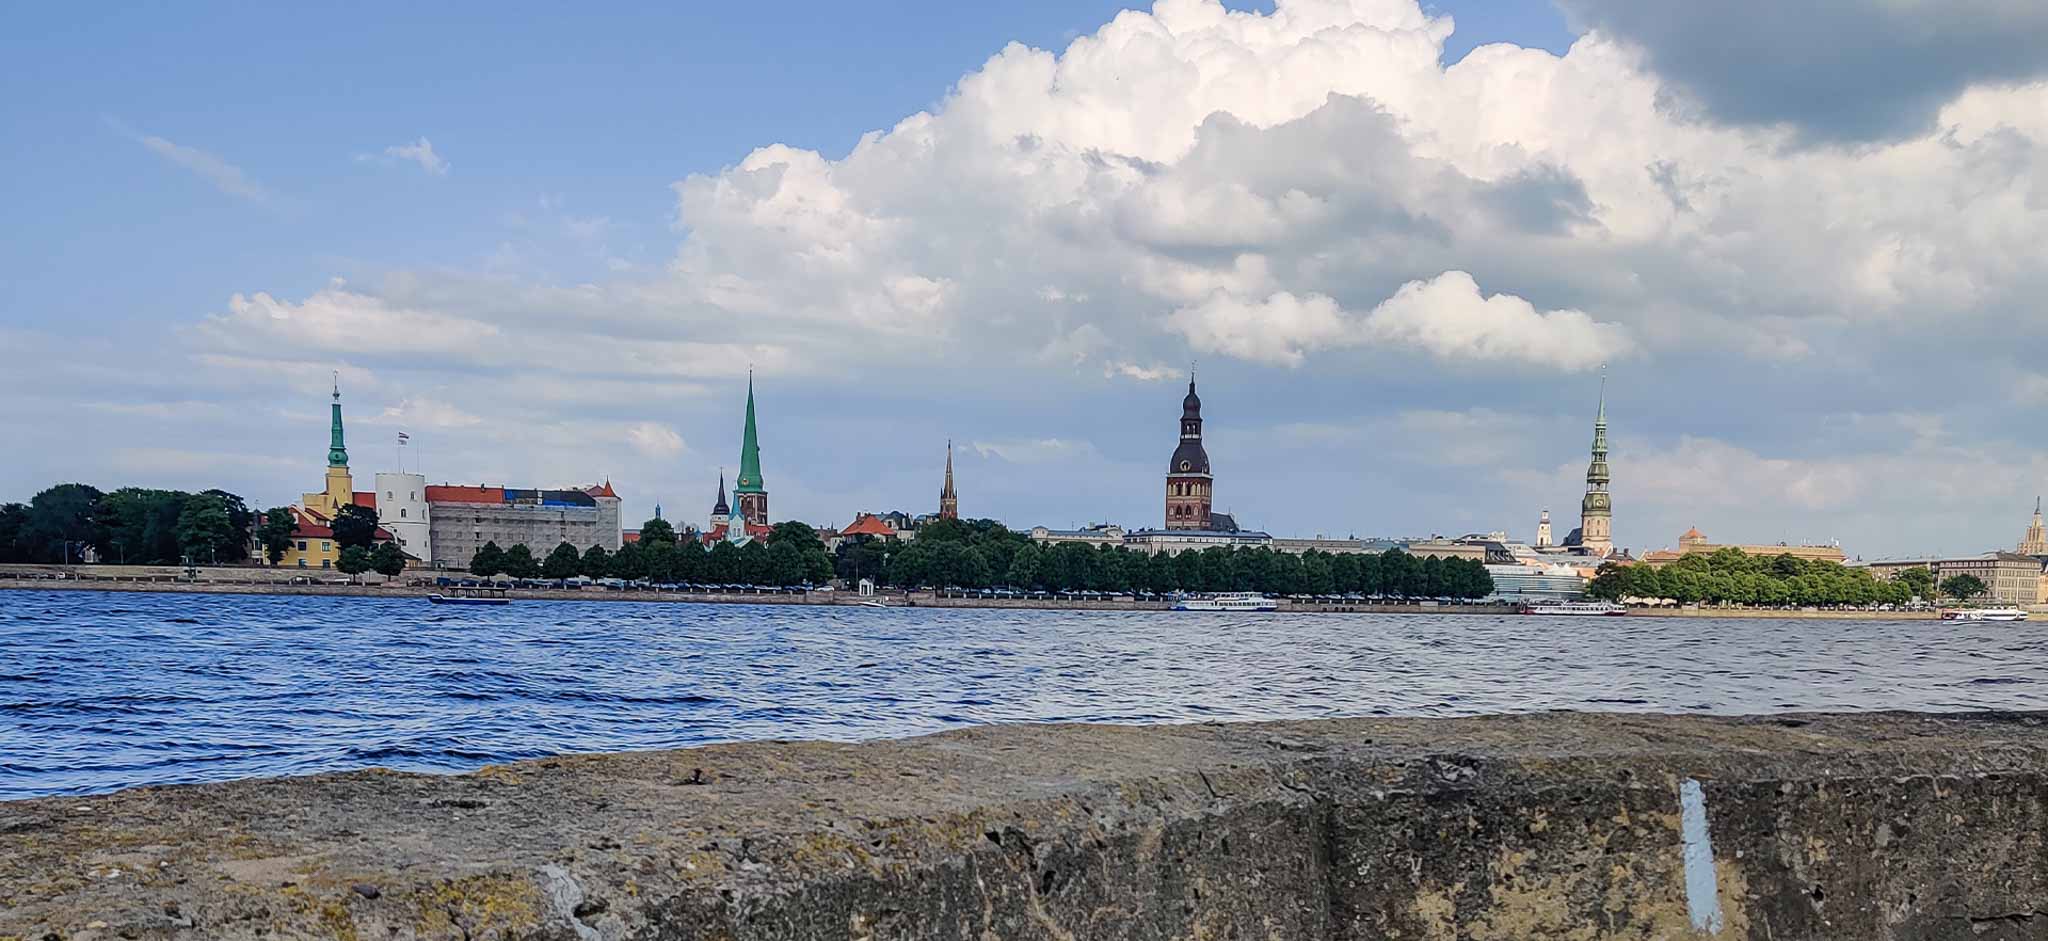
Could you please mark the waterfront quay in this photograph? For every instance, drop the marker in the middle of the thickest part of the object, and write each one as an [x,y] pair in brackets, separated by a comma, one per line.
[1877,826]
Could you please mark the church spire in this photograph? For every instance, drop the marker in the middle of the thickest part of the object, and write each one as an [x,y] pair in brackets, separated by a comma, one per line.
[1596,513]
[949,502]
[337,451]
[750,480]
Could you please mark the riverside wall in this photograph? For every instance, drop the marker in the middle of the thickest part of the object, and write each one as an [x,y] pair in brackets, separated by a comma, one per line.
[1563,825]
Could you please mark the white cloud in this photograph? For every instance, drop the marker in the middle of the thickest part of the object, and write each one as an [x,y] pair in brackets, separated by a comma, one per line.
[1142,373]
[654,440]
[1034,450]
[1448,317]
[420,153]
[224,176]
[1280,329]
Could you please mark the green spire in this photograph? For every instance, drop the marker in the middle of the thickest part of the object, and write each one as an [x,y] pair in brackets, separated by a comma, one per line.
[750,450]
[337,452]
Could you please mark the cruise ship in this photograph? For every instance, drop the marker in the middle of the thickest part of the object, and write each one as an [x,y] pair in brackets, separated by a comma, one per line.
[1576,608]
[1228,601]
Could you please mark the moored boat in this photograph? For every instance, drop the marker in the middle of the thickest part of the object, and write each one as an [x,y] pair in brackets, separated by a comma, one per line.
[1580,609]
[1228,601]
[471,596]
[1983,614]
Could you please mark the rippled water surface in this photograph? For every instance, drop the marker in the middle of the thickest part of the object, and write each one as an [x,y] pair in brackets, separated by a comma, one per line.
[100,691]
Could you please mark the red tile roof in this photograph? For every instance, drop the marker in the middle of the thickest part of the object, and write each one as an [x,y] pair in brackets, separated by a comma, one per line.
[602,491]
[630,535]
[365,498]
[867,525]
[443,493]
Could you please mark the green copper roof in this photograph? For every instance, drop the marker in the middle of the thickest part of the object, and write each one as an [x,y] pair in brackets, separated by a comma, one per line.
[337,452]
[750,452]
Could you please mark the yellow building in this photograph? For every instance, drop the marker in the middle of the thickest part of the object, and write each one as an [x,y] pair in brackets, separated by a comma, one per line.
[313,545]
[1692,543]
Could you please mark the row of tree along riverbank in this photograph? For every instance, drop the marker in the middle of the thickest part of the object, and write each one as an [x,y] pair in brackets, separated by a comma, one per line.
[1731,576]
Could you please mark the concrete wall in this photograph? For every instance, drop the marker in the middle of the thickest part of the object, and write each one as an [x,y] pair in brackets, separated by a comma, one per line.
[1555,826]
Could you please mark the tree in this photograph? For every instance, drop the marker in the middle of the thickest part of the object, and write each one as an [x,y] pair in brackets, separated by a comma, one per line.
[662,561]
[488,561]
[801,535]
[14,532]
[754,563]
[275,533]
[1963,587]
[242,522]
[657,530]
[387,559]
[690,562]
[60,523]
[563,562]
[597,563]
[355,560]
[520,563]
[203,527]
[785,563]
[630,562]
[722,566]
[1023,571]
[1917,580]
[139,525]
[354,526]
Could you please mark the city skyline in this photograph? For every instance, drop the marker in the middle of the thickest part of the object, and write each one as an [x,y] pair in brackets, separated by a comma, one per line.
[1400,276]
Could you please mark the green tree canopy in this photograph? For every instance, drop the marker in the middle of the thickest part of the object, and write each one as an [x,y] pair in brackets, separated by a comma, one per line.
[275,533]
[60,523]
[520,563]
[387,559]
[488,561]
[563,562]
[1963,587]
[355,560]
[657,530]
[597,563]
[354,526]
[204,527]
[14,532]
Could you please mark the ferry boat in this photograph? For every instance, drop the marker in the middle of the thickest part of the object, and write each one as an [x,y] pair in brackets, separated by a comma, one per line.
[491,596]
[1984,614]
[1581,609]
[1228,601]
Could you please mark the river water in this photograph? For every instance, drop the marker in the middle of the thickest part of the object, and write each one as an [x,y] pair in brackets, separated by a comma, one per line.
[100,691]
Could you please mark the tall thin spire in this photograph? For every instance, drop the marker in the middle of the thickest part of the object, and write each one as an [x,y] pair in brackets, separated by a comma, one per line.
[949,501]
[337,450]
[1596,512]
[750,480]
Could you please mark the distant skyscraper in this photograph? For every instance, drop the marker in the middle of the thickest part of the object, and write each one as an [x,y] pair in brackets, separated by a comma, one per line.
[2036,542]
[1189,487]
[1596,513]
[949,502]
[749,491]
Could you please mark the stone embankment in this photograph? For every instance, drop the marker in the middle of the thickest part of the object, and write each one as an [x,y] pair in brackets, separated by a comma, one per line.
[1577,826]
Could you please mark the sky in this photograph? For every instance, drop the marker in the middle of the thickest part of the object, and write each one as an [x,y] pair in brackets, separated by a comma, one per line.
[1397,242]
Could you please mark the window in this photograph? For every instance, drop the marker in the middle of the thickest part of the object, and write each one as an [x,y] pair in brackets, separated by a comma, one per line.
[387,494]
[302,563]
[302,546]
[401,512]
[326,564]
[326,546]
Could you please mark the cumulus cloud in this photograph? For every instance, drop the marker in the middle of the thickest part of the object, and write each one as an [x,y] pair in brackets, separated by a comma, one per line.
[419,153]
[1314,187]
[1445,316]
[1830,69]
[653,439]
[1034,450]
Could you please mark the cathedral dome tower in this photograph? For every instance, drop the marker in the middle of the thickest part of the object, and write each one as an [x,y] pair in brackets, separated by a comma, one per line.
[1189,486]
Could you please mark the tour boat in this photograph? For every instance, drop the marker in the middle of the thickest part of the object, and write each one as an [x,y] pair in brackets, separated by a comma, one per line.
[1984,614]
[1580,609]
[471,596]
[1228,601]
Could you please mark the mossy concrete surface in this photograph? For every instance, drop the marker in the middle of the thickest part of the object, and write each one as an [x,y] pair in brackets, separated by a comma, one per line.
[1564,825]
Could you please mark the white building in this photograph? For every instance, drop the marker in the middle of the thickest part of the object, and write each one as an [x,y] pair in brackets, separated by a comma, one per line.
[403,512]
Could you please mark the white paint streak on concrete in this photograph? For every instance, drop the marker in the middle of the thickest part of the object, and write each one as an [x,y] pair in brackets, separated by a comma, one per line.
[1702,889]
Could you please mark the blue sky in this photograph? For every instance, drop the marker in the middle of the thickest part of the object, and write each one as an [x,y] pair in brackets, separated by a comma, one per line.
[606,233]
